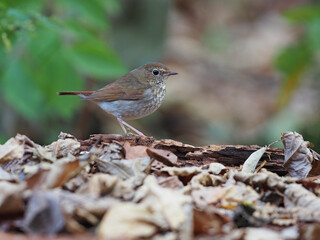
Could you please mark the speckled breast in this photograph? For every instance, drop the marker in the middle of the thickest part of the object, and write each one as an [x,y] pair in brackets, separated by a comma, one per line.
[134,109]
[150,102]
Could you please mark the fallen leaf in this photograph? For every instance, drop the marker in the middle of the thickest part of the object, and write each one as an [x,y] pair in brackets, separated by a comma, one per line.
[164,156]
[208,222]
[208,196]
[298,157]
[43,214]
[182,171]
[251,163]
[168,202]
[238,193]
[11,198]
[205,179]
[65,145]
[133,152]
[170,182]
[125,168]
[101,183]
[216,168]
[55,176]
[11,150]
[297,195]
[128,221]
[4,175]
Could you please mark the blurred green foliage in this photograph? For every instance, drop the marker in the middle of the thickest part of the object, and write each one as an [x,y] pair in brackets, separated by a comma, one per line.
[294,60]
[51,46]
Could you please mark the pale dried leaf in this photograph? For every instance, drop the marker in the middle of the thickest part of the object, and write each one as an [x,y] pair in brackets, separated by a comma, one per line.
[11,200]
[4,175]
[298,157]
[127,221]
[251,163]
[109,152]
[126,168]
[182,171]
[216,168]
[101,183]
[297,196]
[237,194]
[43,214]
[168,202]
[205,179]
[263,178]
[55,176]
[208,196]
[44,154]
[11,150]
[64,147]
[261,234]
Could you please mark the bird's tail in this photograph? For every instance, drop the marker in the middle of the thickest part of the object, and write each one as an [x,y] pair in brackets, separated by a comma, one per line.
[79,93]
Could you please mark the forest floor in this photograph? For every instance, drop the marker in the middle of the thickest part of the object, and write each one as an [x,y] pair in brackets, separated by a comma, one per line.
[116,187]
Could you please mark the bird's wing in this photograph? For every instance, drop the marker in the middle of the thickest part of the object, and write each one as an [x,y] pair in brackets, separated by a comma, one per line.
[125,88]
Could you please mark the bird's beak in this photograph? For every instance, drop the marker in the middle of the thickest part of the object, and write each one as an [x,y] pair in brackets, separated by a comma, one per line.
[171,73]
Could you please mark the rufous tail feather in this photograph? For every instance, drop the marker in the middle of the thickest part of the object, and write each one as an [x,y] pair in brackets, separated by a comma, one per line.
[85,93]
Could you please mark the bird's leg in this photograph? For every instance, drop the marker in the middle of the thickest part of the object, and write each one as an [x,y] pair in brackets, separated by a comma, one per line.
[123,124]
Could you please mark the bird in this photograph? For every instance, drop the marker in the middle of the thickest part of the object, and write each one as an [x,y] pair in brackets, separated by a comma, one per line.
[132,96]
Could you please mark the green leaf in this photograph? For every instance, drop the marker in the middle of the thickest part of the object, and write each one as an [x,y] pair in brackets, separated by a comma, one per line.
[96,60]
[292,58]
[3,139]
[292,62]
[94,12]
[313,35]
[303,13]
[20,92]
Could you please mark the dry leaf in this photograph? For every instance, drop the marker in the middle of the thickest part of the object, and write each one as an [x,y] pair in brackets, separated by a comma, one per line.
[55,176]
[206,179]
[208,222]
[298,157]
[208,196]
[170,182]
[43,214]
[11,200]
[168,202]
[216,168]
[297,195]
[4,175]
[251,163]
[263,179]
[66,144]
[164,156]
[238,193]
[182,171]
[128,221]
[125,168]
[11,150]
[101,183]
[109,152]
[133,152]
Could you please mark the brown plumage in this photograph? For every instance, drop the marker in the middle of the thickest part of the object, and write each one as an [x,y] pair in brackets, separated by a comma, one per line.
[134,95]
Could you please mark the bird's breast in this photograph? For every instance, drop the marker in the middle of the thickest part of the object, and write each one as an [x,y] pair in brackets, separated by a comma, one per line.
[128,109]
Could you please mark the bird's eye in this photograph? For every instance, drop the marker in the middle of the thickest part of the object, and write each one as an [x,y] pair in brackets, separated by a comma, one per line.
[155,72]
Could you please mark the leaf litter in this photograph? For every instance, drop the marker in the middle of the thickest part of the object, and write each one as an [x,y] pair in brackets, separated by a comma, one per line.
[133,189]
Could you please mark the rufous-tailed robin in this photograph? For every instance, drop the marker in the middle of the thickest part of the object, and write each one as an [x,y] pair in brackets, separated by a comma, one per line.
[132,96]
